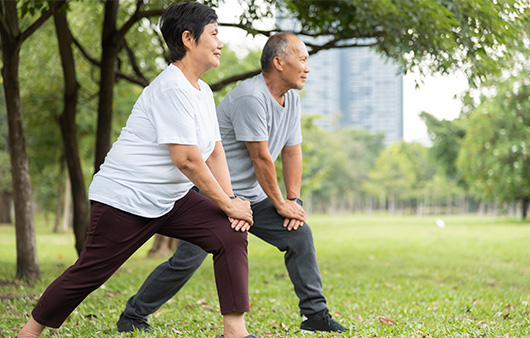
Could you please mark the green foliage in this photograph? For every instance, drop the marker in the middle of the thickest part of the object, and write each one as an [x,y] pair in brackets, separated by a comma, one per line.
[337,162]
[5,172]
[231,64]
[446,137]
[400,171]
[33,7]
[437,35]
[494,157]
[466,280]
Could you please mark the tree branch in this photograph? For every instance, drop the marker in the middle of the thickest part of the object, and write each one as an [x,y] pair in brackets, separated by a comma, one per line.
[221,84]
[132,60]
[3,23]
[137,80]
[140,80]
[333,44]
[40,21]
[137,15]
[300,32]
[10,20]
[315,48]
[85,53]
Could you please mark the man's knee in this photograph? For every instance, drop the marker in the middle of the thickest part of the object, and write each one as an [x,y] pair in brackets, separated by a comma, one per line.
[302,237]
[187,257]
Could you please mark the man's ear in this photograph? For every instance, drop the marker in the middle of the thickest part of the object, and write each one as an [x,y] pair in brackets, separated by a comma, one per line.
[278,63]
[187,39]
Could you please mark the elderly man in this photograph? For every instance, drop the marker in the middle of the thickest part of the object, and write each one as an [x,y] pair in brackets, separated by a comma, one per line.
[258,120]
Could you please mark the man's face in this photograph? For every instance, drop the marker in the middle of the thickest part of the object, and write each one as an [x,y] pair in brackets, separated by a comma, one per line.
[296,68]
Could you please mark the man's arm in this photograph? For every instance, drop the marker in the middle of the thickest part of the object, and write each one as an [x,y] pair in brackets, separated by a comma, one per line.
[292,176]
[266,175]
[292,170]
[188,160]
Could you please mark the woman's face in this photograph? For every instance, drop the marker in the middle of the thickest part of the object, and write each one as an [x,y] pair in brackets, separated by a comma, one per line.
[208,51]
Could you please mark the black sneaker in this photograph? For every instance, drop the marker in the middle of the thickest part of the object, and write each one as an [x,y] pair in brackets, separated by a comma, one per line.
[321,321]
[126,324]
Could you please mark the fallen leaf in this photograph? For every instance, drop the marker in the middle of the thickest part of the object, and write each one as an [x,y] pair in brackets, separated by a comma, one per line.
[386,321]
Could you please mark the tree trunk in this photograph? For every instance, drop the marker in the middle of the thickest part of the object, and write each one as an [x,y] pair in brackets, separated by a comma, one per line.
[5,207]
[163,246]
[524,209]
[69,131]
[67,206]
[60,196]
[27,263]
[109,53]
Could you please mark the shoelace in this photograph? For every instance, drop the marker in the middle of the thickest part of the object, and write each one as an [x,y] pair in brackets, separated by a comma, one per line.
[326,316]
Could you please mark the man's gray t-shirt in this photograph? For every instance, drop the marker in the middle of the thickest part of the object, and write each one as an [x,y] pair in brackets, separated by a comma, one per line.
[249,113]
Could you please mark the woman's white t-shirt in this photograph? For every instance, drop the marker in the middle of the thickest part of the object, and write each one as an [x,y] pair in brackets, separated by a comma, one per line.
[138,175]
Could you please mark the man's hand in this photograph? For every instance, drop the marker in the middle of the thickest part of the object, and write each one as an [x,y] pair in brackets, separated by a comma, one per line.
[294,215]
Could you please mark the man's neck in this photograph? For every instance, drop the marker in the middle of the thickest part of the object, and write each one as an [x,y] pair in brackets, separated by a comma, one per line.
[276,87]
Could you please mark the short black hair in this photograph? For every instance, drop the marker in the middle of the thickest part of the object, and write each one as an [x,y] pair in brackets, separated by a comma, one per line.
[276,45]
[181,17]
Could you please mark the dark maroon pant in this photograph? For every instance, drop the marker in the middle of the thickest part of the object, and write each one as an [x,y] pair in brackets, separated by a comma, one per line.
[115,235]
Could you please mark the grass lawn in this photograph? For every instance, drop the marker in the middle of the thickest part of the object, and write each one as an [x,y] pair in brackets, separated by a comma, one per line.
[468,279]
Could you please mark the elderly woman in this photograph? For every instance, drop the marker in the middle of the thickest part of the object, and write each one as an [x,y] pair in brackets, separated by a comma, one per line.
[171,143]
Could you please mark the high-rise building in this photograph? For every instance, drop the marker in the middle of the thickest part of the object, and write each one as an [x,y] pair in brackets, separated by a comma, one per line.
[355,88]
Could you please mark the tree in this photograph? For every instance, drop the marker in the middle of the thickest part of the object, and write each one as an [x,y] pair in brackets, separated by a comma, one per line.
[494,159]
[335,165]
[12,37]
[399,174]
[69,130]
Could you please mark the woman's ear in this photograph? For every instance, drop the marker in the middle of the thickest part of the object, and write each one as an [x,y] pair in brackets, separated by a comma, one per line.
[187,40]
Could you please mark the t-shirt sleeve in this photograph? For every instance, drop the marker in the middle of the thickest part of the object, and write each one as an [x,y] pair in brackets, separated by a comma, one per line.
[296,124]
[173,117]
[250,119]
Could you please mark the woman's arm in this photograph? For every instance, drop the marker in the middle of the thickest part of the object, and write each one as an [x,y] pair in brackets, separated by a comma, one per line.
[188,159]
[219,168]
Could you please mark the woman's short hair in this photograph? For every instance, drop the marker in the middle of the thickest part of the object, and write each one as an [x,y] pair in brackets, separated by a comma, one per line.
[276,45]
[181,17]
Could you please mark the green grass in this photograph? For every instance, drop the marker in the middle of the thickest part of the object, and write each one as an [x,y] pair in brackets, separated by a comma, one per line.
[469,279]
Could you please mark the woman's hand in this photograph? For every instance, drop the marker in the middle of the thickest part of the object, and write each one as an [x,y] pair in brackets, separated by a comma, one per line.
[239,225]
[240,214]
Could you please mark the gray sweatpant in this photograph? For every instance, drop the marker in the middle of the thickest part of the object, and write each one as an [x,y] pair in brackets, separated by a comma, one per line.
[300,259]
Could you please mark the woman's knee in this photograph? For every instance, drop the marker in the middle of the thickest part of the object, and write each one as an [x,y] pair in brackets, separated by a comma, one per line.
[235,239]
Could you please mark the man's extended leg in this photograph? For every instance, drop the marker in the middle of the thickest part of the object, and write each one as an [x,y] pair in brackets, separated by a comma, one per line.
[161,285]
[300,261]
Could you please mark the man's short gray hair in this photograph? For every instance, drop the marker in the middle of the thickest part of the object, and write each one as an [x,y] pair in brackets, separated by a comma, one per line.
[276,46]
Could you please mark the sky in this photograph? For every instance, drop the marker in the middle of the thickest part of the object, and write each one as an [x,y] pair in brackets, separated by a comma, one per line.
[437,95]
